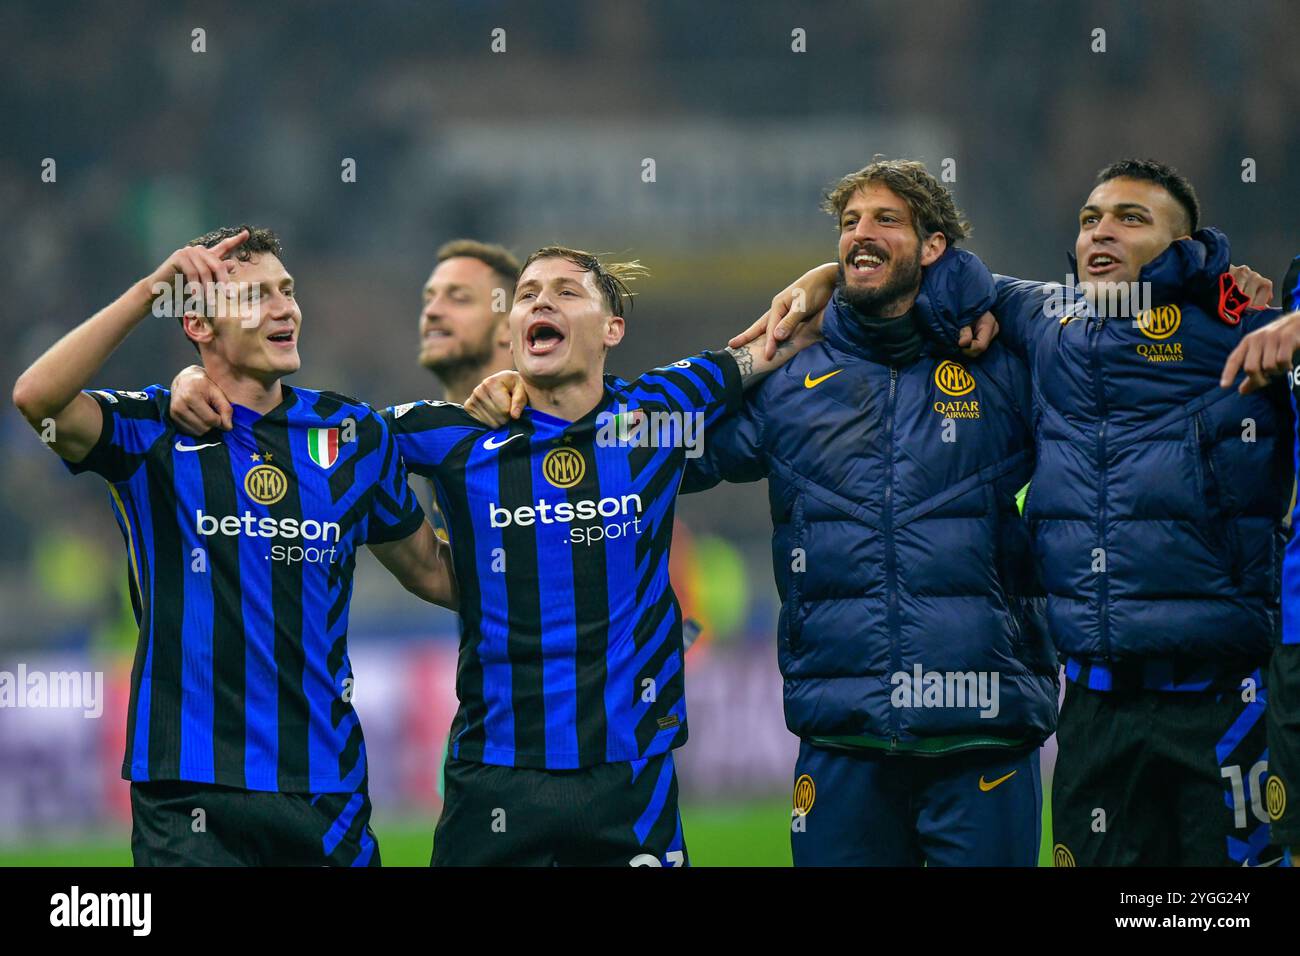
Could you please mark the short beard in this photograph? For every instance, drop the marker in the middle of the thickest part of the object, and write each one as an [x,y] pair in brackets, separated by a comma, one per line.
[469,355]
[903,284]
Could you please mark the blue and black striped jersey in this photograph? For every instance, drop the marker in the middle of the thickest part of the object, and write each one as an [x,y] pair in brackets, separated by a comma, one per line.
[241,547]
[571,644]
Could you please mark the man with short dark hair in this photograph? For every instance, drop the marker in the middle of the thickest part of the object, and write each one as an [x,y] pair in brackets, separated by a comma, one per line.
[241,547]
[1158,508]
[1175,185]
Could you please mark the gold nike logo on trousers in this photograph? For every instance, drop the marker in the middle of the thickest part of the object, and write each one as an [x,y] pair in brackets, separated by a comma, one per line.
[987,786]
[810,382]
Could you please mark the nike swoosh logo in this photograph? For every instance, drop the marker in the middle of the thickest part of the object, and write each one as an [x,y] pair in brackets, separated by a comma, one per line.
[1269,863]
[986,786]
[492,445]
[211,444]
[810,382]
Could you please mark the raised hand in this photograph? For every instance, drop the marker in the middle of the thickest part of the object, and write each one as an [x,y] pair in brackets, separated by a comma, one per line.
[1266,352]
[1257,288]
[201,266]
[794,305]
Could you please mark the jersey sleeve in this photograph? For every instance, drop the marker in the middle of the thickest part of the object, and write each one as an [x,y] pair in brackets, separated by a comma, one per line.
[1291,287]
[427,431]
[732,450]
[133,423]
[395,512]
[708,383]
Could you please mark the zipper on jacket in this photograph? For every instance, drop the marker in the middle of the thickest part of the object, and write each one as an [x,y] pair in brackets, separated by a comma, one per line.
[794,623]
[891,558]
[1103,586]
[1218,519]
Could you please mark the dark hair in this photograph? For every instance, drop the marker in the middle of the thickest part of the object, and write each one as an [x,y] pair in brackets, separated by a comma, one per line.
[933,208]
[497,258]
[611,278]
[259,240]
[1166,177]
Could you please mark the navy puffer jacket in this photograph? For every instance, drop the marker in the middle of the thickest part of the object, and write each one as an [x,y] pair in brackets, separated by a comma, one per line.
[1158,501]
[897,542]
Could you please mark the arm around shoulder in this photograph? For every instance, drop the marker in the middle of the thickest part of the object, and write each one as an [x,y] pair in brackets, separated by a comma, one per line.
[422,563]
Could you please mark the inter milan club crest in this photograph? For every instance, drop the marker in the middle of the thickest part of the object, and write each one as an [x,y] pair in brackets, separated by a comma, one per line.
[323,445]
[265,484]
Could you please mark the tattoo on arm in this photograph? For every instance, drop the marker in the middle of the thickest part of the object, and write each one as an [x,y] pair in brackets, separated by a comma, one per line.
[744,359]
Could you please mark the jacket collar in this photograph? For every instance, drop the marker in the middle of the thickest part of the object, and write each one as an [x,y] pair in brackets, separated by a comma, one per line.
[844,330]
[1188,269]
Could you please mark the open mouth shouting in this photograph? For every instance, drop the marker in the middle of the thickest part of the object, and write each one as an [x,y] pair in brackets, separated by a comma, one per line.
[1101,264]
[542,337]
[866,261]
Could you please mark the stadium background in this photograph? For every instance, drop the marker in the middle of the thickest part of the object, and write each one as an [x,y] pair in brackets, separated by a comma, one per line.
[544,142]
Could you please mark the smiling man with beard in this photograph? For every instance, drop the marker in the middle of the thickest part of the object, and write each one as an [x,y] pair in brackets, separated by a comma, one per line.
[918,674]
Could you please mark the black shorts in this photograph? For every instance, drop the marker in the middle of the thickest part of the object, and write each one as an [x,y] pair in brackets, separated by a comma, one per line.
[1282,790]
[1151,778]
[177,823]
[612,814]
